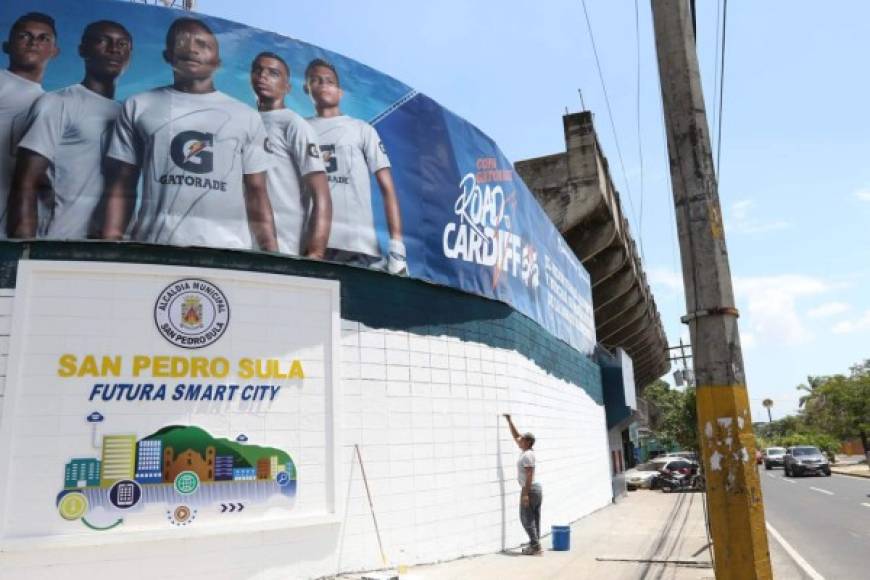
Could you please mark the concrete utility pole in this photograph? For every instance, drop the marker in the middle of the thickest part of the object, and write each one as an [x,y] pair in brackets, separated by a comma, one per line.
[725,426]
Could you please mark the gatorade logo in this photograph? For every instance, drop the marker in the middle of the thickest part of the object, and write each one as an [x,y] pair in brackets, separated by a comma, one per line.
[192,151]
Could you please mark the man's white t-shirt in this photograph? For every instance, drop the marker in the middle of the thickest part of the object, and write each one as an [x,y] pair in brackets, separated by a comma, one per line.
[71,128]
[527,459]
[193,150]
[293,144]
[16,96]
[352,151]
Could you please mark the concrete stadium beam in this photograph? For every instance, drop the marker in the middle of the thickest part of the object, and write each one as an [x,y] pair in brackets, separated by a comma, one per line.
[606,264]
[623,321]
[618,307]
[576,190]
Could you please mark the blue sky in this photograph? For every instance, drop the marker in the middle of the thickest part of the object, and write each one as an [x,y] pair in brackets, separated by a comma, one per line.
[794,183]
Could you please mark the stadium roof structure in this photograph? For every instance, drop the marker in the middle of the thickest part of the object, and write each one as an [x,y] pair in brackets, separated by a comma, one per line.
[576,190]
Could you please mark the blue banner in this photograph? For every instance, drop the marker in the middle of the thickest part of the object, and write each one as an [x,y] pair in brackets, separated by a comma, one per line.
[414,189]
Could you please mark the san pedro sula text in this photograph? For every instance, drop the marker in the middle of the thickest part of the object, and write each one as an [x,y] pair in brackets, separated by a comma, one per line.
[177,367]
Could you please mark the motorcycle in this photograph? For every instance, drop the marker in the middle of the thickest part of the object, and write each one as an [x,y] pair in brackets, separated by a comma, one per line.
[685,479]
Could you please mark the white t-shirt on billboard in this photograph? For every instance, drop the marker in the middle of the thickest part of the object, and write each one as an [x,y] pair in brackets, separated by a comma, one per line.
[71,128]
[352,151]
[16,96]
[193,150]
[293,144]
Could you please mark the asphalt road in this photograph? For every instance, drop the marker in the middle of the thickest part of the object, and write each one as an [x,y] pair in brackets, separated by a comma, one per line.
[825,519]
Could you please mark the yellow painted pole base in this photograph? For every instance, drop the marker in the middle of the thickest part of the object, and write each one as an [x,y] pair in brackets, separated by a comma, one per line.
[733,486]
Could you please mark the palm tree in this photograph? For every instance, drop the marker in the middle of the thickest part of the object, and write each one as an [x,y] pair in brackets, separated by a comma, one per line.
[767,404]
[813,383]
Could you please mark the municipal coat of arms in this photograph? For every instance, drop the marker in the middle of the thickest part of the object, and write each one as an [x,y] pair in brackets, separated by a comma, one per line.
[191,312]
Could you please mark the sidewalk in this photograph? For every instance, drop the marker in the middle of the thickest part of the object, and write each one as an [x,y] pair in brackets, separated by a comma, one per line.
[648,535]
[854,465]
[857,470]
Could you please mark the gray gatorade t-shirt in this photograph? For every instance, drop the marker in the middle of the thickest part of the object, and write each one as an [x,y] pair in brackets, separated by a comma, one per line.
[16,96]
[293,144]
[71,128]
[352,151]
[193,150]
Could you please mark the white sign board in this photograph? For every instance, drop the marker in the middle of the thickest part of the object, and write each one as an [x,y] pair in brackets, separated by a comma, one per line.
[147,399]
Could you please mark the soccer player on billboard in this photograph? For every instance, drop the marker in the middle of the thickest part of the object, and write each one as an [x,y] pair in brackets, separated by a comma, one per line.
[202,155]
[351,150]
[298,188]
[31,44]
[66,135]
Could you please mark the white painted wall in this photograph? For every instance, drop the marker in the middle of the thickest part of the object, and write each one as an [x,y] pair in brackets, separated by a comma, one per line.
[439,458]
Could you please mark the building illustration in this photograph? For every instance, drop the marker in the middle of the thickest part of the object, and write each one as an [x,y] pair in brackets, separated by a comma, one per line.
[223,468]
[149,461]
[188,460]
[119,459]
[244,474]
[82,473]
[264,468]
[170,467]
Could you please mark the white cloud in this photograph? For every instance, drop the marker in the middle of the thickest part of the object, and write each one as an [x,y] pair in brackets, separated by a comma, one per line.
[667,280]
[741,221]
[863,194]
[828,309]
[856,325]
[769,307]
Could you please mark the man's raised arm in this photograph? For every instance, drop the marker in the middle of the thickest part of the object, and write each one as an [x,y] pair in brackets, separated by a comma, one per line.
[514,433]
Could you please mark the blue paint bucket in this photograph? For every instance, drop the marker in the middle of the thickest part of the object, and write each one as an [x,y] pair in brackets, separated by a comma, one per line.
[561,538]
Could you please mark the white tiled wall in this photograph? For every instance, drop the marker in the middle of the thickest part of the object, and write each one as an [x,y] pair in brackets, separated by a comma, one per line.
[6,298]
[425,412]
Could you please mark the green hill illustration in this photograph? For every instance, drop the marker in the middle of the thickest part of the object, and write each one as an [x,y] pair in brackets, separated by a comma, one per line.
[183,437]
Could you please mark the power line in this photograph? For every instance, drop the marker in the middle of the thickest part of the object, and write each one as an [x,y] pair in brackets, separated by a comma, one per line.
[721,88]
[609,112]
[716,58]
[639,139]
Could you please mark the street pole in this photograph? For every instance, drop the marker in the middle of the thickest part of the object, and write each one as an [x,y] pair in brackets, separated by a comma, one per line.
[724,423]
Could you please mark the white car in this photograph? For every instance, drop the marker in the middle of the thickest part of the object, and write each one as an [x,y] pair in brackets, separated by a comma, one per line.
[643,475]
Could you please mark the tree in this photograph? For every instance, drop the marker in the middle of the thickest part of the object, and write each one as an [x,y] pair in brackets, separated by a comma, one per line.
[812,384]
[840,405]
[768,403]
[677,420]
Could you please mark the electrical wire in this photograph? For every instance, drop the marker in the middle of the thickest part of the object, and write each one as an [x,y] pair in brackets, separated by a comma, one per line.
[721,88]
[716,58]
[609,110]
[639,139]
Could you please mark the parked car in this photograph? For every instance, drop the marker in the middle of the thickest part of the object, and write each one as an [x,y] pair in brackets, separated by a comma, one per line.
[690,455]
[773,457]
[805,459]
[644,475]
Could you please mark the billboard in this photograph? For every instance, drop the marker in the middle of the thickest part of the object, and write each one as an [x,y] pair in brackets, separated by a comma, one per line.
[156,128]
[145,396]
